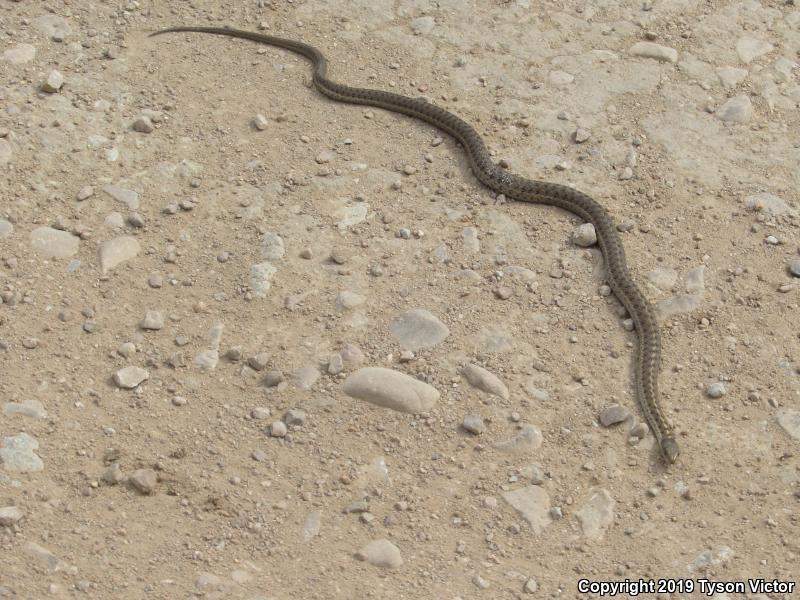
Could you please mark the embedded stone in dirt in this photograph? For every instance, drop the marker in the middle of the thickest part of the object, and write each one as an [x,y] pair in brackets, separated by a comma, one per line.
[391,389]
[419,328]
[381,553]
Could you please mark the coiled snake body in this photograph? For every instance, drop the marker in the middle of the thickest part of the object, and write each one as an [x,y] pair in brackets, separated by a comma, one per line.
[517,188]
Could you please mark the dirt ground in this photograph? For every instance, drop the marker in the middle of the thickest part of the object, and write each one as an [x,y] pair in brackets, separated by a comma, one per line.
[199,253]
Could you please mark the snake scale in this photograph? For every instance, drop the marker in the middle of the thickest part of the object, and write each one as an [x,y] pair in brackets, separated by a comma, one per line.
[517,188]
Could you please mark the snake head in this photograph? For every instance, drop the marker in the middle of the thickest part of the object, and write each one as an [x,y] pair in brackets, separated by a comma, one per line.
[669,447]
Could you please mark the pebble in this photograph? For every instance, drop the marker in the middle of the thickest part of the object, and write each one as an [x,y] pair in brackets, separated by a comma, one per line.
[260,122]
[54,243]
[793,266]
[324,157]
[53,83]
[126,349]
[422,25]
[347,300]
[130,377]
[769,203]
[473,424]
[581,135]
[259,362]
[676,305]
[207,359]
[153,320]
[54,26]
[730,77]
[503,292]
[471,242]
[656,51]
[116,251]
[585,235]
[294,417]
[749,48]
[6,228]
[533,503]
[143,124]
[273,378]
[260,413]
[272,246]
[381,553]
[418,328]
[128,197]
[716,390]
[20,54]
[261,278]
[19,454]
[46,558]
[143,481]
[738,109]
[351,354]
[10,515]
[789,420]
[613,414]
[304,378]
[597,515]
[113,474]
[278,429]
[84,193]
[530,587]
[484,380]
[312,525]
[26,408]
[391,389]
[527,440]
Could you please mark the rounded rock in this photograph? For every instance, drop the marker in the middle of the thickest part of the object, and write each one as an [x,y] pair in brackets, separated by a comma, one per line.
[391,389]
[381,553]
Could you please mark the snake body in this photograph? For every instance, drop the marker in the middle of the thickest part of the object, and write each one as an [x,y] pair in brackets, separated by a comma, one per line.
[518,188]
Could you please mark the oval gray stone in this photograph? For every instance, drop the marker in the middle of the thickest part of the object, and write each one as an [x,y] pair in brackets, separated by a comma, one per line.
[27,408]
[738,109]
[584,235]
[54,243]
[19,54]
[611,415]
[9,515]
[656,51]
[391,389]
[527,440]
[381,553]
[419,328]
[18,454]
[347,299]
[485,380]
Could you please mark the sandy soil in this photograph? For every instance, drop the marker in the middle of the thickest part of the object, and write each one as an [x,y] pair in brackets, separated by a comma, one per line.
[197,251]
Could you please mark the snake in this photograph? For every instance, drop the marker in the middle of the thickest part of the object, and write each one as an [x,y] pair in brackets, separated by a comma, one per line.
[515,187]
